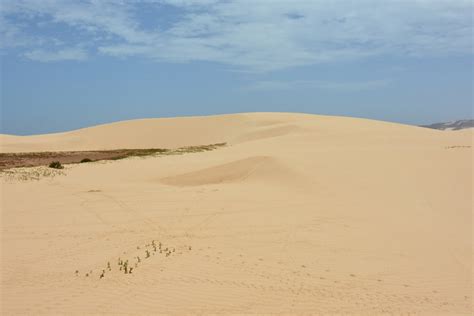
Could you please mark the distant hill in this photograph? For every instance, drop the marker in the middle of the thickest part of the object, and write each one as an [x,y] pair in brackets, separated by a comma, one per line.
[453,126]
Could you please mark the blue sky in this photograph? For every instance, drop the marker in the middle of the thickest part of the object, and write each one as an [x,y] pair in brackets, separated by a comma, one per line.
[71,64]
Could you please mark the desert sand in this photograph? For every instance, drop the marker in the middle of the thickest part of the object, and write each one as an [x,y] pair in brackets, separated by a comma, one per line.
[298,214]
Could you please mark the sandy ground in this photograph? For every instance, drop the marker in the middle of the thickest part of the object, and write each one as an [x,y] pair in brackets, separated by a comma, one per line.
[299,214]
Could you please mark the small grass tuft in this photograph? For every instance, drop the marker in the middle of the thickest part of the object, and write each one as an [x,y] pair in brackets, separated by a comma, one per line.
[56,165]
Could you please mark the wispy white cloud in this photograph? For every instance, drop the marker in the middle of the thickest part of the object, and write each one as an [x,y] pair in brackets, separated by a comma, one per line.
[253,35]
[344,86]
[59,55]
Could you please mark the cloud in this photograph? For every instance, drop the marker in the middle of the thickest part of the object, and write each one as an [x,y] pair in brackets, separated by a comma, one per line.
[345,86]
[250,35]
[60,55]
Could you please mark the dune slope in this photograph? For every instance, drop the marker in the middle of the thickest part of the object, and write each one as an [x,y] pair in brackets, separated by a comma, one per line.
[299,214]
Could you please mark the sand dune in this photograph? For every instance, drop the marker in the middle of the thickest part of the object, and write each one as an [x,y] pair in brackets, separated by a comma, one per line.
[145,133]
[189,131]
[298,214]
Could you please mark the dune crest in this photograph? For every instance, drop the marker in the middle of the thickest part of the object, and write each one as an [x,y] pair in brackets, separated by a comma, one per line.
[192,131]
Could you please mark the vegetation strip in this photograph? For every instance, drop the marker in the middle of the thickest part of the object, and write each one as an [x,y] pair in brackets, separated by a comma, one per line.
[59,158]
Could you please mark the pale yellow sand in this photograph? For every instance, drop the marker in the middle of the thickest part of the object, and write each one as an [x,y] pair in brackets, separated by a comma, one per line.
[299,214]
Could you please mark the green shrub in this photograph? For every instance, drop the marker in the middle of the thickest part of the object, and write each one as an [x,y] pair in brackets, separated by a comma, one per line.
[86,160]
[56,165]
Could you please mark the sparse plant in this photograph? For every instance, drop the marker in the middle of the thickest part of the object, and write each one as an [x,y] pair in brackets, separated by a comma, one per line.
[102,274]
[130,271]
[56,165]
[108,266]
[147,254]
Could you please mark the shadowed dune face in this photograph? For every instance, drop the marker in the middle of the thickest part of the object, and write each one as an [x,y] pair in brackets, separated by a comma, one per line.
[259,168]
[299,214]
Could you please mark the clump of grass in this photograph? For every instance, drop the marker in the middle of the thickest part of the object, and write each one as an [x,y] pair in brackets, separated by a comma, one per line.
[56,165]
[120,263]
[86,160]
